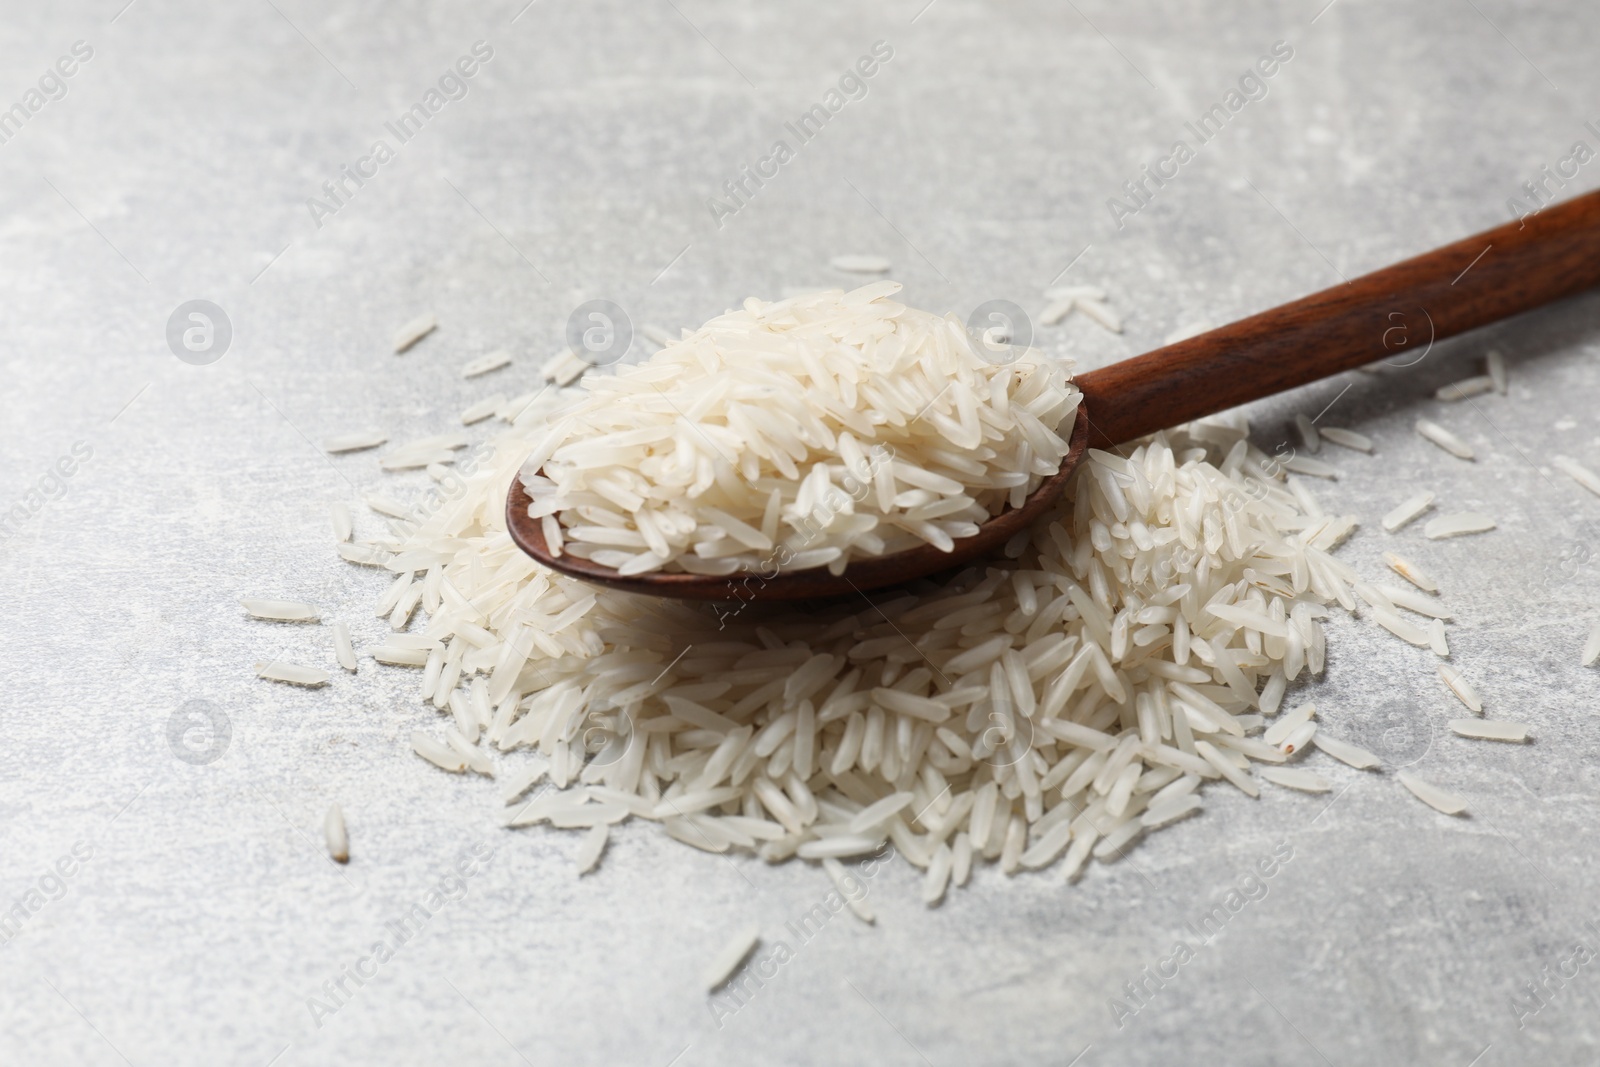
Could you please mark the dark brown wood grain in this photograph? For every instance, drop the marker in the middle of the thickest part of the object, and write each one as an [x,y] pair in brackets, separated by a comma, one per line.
[1393,314]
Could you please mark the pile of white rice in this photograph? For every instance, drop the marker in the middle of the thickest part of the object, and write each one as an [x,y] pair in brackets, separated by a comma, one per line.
[796,434]
[1051,705]
[1061,700]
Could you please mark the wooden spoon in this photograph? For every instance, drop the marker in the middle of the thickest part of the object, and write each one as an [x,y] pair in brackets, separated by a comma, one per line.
[1396,313]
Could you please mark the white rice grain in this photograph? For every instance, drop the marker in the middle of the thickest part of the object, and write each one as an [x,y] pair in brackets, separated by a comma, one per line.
[1466,387]
[1307,431]
[1495,364]
[484,364]
[343,649]
[1457,523]
[851,888]
[293,673]
[354,442]
[591,847]
[280,610]
[1407,510]
[1358,442]
[1297,778]
[877,813]
[1490,729]
[1457,683]
[938,876]
[1344,752]
[1314,467]
[1055,312]
[731,955]
[343,527]
[414,331]
[338,838]
[1102,314]
[1578,473]
[440,755]
[1410,572]
[1431,431]
[483,409]
[1431,795]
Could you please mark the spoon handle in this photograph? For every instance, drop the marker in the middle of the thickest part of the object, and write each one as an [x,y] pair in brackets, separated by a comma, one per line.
[1394,314]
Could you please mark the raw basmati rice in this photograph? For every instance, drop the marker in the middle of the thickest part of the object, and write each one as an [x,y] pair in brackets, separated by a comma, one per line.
[1438,435]
[484,364]
[338,838]
[938,876]
[1045,708]
[1465,388]
[881,428]
[1307,431]
[1344,752]
[1101,313]
[1578,473]
[343,527]
[1055,312]
[1457,683]
[1432,795]
[727,960]
[343,650]
[414,331]
[293,673]
[1437,639]
[354,442]
[483,409]
[1288,723]
[851,888]
[591,847]
[1490,729]
[564,368]
[280,610]
[1407,510]
[1410,572]
[1314,467]
[1412,600]
[1456,524]
[1495,364]
[1359,442]
[1297,778]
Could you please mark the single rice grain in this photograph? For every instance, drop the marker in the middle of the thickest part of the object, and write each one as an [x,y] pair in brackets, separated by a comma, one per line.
[292,673]
[343,649]
[1457,523]
[1431,431]
[731,955]
[484,364]
[414,331]
[1490,729]
[1578,473]
[338,837]
[280,610]
[1431,795]
[1407,510]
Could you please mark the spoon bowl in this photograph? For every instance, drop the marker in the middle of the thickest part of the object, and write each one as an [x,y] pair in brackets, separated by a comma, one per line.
[813,583]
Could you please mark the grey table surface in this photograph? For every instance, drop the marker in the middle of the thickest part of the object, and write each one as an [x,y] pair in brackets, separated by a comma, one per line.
[177,162]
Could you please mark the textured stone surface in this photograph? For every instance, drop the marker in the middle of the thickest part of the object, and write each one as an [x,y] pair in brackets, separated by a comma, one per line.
[177,166]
